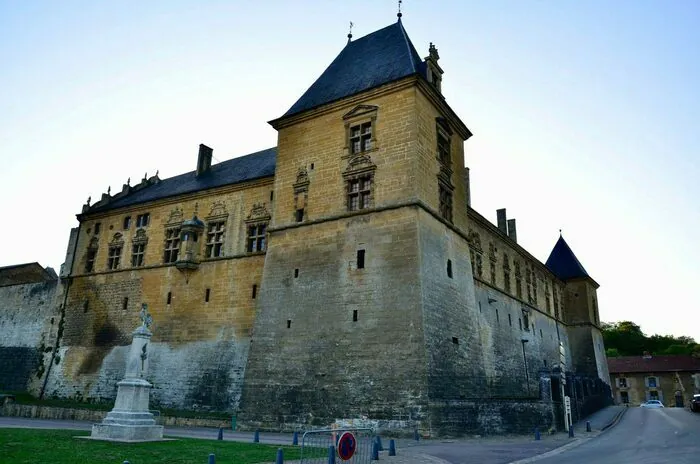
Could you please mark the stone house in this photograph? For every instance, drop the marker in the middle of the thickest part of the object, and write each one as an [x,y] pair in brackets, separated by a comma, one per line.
[667,378]
[341,274]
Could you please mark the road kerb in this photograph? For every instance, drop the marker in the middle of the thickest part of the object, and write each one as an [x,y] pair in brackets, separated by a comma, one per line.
[554,452]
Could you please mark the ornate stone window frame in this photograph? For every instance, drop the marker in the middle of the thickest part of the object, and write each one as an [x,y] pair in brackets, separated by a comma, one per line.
[91,254]
[359,115]
[215,236]
[359,168]
[475,252]
[256,238]
[116,247]
[138,248]
[301,195]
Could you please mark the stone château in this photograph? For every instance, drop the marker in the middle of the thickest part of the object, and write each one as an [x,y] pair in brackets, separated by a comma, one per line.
[339,275]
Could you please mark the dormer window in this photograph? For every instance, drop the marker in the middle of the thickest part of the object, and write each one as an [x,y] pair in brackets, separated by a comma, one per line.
[361,138]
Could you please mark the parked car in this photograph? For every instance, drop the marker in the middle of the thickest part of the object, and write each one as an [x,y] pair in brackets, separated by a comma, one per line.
[695,403]
[653,404]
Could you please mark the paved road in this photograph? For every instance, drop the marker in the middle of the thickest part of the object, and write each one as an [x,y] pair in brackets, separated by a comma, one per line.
[643,436]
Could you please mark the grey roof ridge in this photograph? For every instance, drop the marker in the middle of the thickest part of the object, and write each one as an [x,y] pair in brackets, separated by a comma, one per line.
[409,45]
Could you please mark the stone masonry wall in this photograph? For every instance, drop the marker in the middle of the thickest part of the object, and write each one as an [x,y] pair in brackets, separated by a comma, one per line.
[25,313]
[311,362]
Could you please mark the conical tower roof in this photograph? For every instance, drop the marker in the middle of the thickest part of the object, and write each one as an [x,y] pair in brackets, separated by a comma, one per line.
[564,263]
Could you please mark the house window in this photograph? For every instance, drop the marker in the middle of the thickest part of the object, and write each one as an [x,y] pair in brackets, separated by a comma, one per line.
[299,215]
[142,220]
[256,237]
[90,261]
[172,244]
[526,321]
[97,228]
[361,138]
[359,193]
[443,147]
[652,382]
[445,202]
[624,397]
[215,239]
[127,222]
[138,251]
[654,395]
[115,253]
[623,382]
[506,280]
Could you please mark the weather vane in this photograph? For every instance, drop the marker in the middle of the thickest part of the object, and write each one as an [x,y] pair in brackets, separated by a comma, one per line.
[350,32]
[399,13]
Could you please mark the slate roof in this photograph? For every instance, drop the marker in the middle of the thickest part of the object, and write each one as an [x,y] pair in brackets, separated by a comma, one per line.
[662,363]
[245,168]
[563,262]
[370,61]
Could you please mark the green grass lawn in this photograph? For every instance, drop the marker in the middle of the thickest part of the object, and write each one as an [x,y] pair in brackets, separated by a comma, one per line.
[22,446]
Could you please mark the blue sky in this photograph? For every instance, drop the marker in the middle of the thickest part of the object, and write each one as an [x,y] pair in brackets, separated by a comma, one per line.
[585,117]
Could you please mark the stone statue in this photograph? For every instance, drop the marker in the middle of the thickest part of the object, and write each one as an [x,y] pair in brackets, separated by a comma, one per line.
[146,319]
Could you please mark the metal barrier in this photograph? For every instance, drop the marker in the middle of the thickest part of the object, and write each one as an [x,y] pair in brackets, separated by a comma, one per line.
[350,445]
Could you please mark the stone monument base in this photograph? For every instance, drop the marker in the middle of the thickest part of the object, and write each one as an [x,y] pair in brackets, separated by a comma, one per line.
[126,433]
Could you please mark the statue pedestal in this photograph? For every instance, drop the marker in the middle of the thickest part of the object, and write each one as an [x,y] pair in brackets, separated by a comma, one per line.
[130,419]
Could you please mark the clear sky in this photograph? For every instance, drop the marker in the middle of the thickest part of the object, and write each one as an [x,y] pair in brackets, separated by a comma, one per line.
[586,117]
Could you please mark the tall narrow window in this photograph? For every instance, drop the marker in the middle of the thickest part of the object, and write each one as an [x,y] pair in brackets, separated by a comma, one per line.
[359,192]
[215,239]
[445,202]
[172,245]
[255,291]
[256,237]
[526,321]
[354,315]
[449,268]
[206,295]
[360,138]
[127,222]
[138,250]
[125,303]
[443,147]
[90,259]
[510,320]
[289,323]
[360,259]
[299,215]
[170,297]
[98,226]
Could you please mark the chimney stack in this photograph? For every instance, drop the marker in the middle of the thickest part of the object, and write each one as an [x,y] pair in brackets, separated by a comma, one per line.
[501,216]
[467,187]
[512,233]
[204,159]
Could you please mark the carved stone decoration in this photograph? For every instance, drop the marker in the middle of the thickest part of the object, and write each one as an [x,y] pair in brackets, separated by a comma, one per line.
[118,239]
[360,110]
[474,240]
[302,182]
[94,243]
[175,217]
[492,252]
[258,213]
[140,236]
[218,210]
[359,164]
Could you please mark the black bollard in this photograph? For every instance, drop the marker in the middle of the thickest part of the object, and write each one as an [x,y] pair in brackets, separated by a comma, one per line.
[280,456]
[331,454]
[537,433]
[392,448]
[212,459]
[380,447]
[221,434]
[295,439]
[256,437]
[571,431]
[588,426]
[375,451]
[415,435]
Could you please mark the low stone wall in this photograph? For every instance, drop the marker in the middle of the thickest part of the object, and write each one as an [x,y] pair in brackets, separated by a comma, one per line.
[91,415]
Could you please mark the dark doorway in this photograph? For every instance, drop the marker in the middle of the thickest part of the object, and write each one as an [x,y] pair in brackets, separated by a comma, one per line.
[679,399]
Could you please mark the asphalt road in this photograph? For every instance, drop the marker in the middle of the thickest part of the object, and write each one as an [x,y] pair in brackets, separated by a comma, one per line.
[643,436]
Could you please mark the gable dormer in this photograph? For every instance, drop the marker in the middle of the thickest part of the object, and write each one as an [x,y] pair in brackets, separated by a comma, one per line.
[433,71]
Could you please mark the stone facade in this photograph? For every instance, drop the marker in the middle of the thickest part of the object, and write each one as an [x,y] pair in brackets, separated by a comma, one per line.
[409,308]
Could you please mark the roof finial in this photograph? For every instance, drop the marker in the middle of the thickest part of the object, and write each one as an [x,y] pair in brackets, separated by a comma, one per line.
[559,233]
[399,13]
[350,32]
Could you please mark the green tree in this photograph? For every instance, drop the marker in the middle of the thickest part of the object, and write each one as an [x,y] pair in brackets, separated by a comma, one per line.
[627,339]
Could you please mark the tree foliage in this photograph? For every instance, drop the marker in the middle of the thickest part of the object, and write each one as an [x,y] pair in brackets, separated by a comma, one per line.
[627,339]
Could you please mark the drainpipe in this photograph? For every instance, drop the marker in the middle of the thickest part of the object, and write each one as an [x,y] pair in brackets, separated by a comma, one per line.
[69,280]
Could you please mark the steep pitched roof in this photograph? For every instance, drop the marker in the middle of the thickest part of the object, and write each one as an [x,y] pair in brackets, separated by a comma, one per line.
[662,363]
[563,262]
[245,168]
[370,61]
